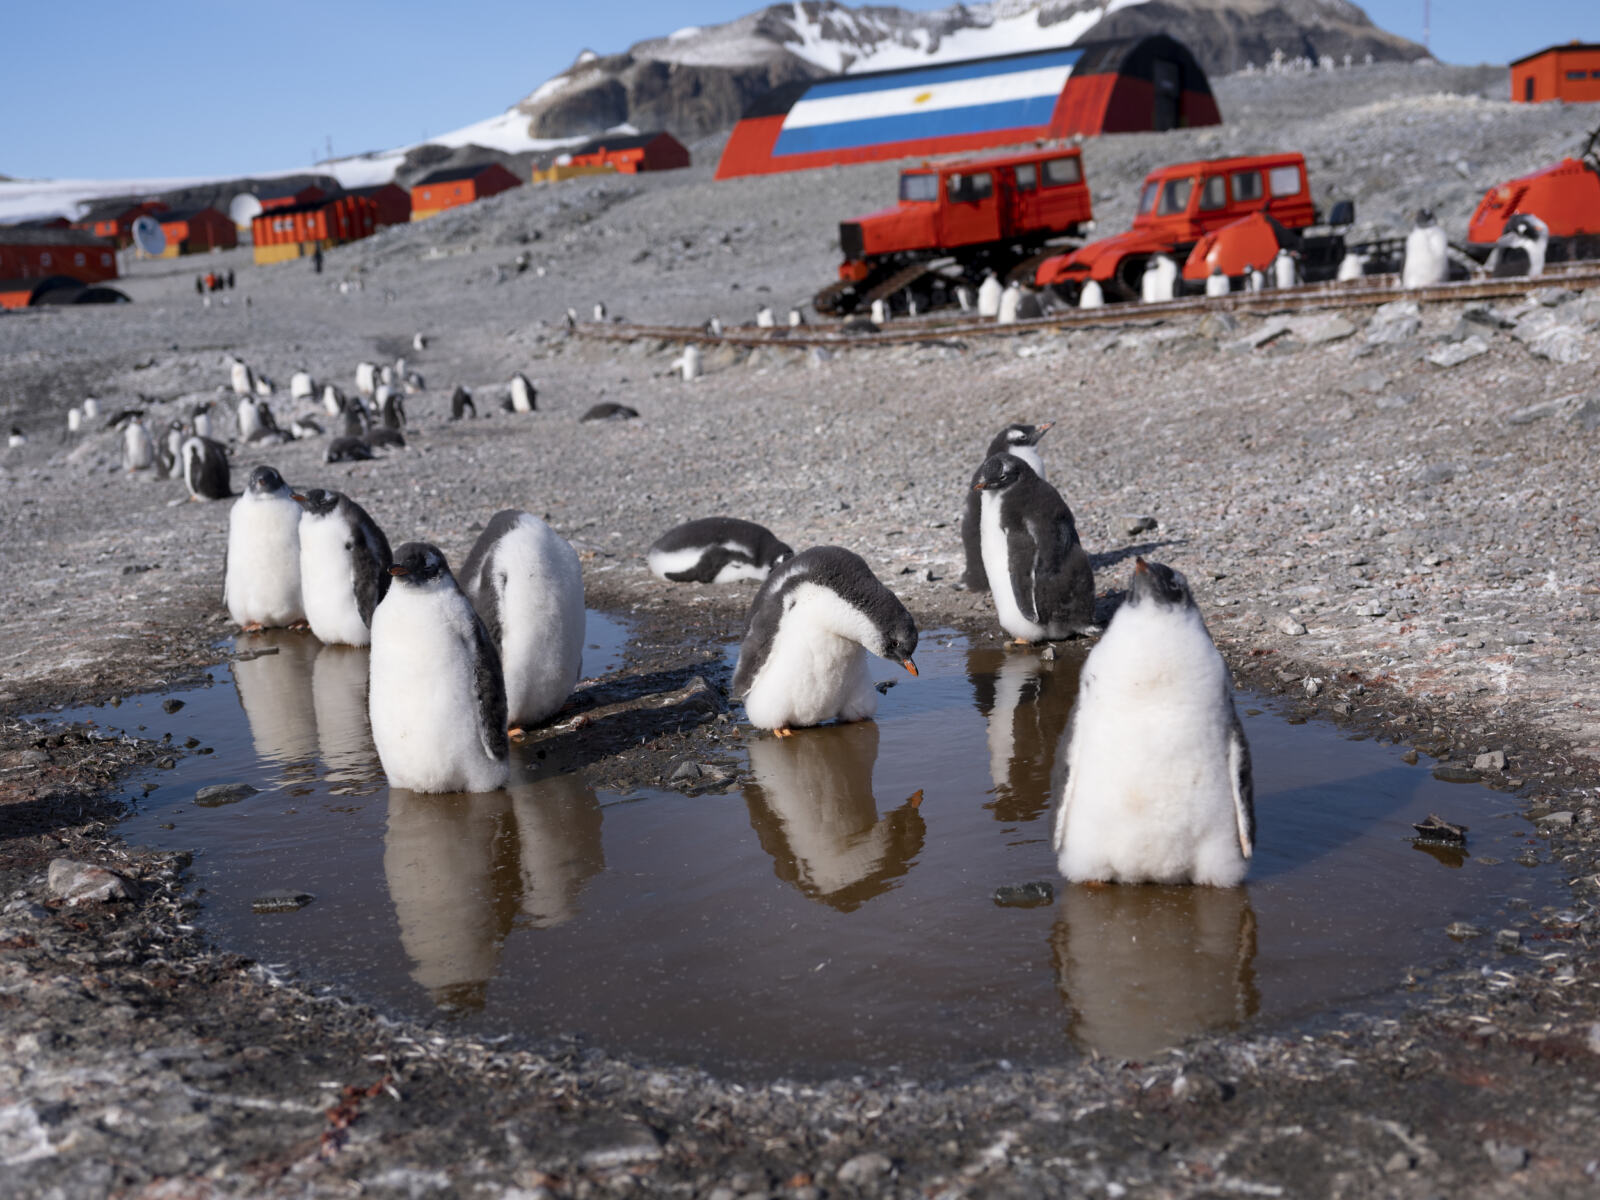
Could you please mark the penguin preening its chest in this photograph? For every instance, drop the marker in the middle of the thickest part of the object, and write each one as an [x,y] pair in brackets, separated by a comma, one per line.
[715,550]
[1039,573]
[437,698]
[344,566]
[205,469]
[803,659]
[1158,786]
[526,583]
[1018,439]
[261,586]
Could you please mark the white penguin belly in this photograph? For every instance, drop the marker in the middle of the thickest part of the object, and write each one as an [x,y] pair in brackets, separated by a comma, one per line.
[328,584]
[997,562]
[263,580]
[542,626]
[423,702]
[811,677]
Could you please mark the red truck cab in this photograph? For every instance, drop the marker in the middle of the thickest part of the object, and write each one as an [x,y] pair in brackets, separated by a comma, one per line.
[1178,207]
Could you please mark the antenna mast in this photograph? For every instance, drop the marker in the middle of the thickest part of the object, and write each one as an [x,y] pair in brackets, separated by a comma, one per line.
[1426,6]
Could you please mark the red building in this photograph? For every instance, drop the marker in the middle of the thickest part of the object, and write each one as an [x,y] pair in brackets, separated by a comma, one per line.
[285,233]
[115,219]
[632,153]
[287,196]
[393,201]
[1570,73]
[454,186]
[196,230]
[30,255]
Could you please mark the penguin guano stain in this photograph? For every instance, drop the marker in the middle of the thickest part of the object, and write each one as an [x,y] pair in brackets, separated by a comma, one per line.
[834,905]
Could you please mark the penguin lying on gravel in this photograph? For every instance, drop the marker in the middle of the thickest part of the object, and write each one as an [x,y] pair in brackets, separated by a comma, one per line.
[1158,786]
[803,659]
[344,566]
[261,580]
[437,698]
[525,582]
[348,449]
[610,412]
[1039,574]
[715,550]
[1023,441]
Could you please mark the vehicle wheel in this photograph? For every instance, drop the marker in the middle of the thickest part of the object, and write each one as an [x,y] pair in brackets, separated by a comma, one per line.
[1126,280]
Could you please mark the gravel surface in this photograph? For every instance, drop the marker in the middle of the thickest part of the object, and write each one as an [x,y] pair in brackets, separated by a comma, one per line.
[1405,547]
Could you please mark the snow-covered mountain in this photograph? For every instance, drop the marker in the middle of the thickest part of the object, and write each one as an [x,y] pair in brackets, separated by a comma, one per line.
[698,80]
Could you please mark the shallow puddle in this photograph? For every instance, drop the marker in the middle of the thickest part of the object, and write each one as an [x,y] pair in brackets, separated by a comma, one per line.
[838,909]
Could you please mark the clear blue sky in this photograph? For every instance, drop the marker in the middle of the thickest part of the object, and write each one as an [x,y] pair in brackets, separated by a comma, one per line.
[207,87]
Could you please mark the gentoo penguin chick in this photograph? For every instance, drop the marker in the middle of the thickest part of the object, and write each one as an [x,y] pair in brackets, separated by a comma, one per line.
[461,404]
[764,317]
[524,397]
[264,386]
[366,378]
[200,419]
[1522,247]
[138,451]
[332,400]
[437,698]
[1158,786]
[880,312]
[600,311]
[1023,441]
[609,412]
[261,584]
[1010,298]
[344,566]
[74,419]
[688,363]
[1160,280]
[1255,281]
[796,318]
[1285,271]
[1217,284]
[91,408]
[251,426]
[989,296]
[240,378]
[16,438]
[1039,574]
[525,582]
[1427,260]
[1351,266]
[391,408]
[205,469]
[348,449]
[803,659]
[1092,295]
[172,452]
[715,550]
[301,386]
[419,342]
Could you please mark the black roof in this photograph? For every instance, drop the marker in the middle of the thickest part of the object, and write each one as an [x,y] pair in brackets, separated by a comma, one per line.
[451,174]
[105,210]
[33,235]
[273,191]
[617,141]
[372,189]
[310,205]
[1558,46]
[182,214]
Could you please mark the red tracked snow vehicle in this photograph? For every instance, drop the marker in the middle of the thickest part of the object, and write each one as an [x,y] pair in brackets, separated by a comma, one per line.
[1566,197]
[955,223]
[1235,213]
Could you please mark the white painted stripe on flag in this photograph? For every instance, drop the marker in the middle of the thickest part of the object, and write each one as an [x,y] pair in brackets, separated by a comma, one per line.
[903,101]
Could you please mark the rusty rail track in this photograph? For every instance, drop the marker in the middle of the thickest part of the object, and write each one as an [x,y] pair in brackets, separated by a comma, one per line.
[1363,293]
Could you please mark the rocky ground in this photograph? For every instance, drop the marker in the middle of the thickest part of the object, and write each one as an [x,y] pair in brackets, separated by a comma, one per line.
[1404,546]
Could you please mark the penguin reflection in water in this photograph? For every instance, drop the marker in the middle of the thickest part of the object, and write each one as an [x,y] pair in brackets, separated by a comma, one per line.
[1158,786]
[437,698]
[803,660]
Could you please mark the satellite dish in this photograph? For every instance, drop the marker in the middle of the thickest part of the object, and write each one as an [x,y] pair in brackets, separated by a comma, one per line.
[149,236]
[243,209]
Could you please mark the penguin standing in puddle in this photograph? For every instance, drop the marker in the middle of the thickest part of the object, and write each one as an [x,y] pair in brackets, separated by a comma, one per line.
[437,698]
[261,581]
[1023,441]
[1039,573]
[344,566]
[803,660]
[1159,787]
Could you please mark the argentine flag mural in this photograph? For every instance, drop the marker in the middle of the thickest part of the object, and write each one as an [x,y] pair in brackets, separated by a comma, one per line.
[926,102]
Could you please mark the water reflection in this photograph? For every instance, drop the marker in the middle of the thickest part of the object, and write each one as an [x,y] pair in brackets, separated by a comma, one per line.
[1140,968]
[812,808]
[339,696]
[275,693]
[459,869]
[1026,699]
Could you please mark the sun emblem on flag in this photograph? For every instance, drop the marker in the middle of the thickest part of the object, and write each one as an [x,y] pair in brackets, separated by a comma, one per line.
[922,98]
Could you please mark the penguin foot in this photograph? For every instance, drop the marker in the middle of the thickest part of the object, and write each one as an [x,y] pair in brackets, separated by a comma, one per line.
[1019,642]
[783,732]
[252,627]
[1098,885]
[516,733]
[300,625]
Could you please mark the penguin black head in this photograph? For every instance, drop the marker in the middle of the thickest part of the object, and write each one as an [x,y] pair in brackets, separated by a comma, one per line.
[900,642]
[319,502]
[1026,435]
[1159,584]
[1527,227]
[1424,218]
[264,481]
[1000,471]
[419,563]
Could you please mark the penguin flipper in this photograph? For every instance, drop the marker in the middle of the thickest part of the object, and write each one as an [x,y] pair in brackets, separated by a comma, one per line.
[1058,573]
[1069,776]
[371,572]
[1243,780]
[1024,553]
[489,688]
[976,577]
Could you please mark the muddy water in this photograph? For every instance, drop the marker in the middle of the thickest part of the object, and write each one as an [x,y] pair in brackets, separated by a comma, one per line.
[834,909]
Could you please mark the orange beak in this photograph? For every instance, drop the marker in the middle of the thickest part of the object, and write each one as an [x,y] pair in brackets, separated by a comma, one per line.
[910,666]
[1139,568]
[399,570]
[297,497]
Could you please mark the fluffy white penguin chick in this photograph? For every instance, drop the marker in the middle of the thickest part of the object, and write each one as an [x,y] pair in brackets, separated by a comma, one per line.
[261,582]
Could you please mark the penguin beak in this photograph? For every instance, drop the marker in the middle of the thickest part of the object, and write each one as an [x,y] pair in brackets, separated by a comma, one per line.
[297,498]
[978,487]
[1045,428]
[909,665]
[1139,567]
[399,570]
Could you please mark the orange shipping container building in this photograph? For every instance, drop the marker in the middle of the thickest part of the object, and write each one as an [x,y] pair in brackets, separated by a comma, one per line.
[115,220]
[285,233]
[196,230]
[1570,73]
[632,153]
[454,186]
[30,255]
[393,201]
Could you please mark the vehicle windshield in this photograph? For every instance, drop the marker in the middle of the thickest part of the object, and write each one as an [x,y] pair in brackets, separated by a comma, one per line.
[1175,197]
[1147,200]
[919,187]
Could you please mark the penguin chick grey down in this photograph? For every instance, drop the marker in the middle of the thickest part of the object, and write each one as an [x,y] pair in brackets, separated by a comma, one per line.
[138,450]
[1039,574]
[526,583]
[1023,441]
[1158,785]
[1427,259]
[344,566]
[261,584]
[436,695]
[803,660]
[205,469]
[715,550]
